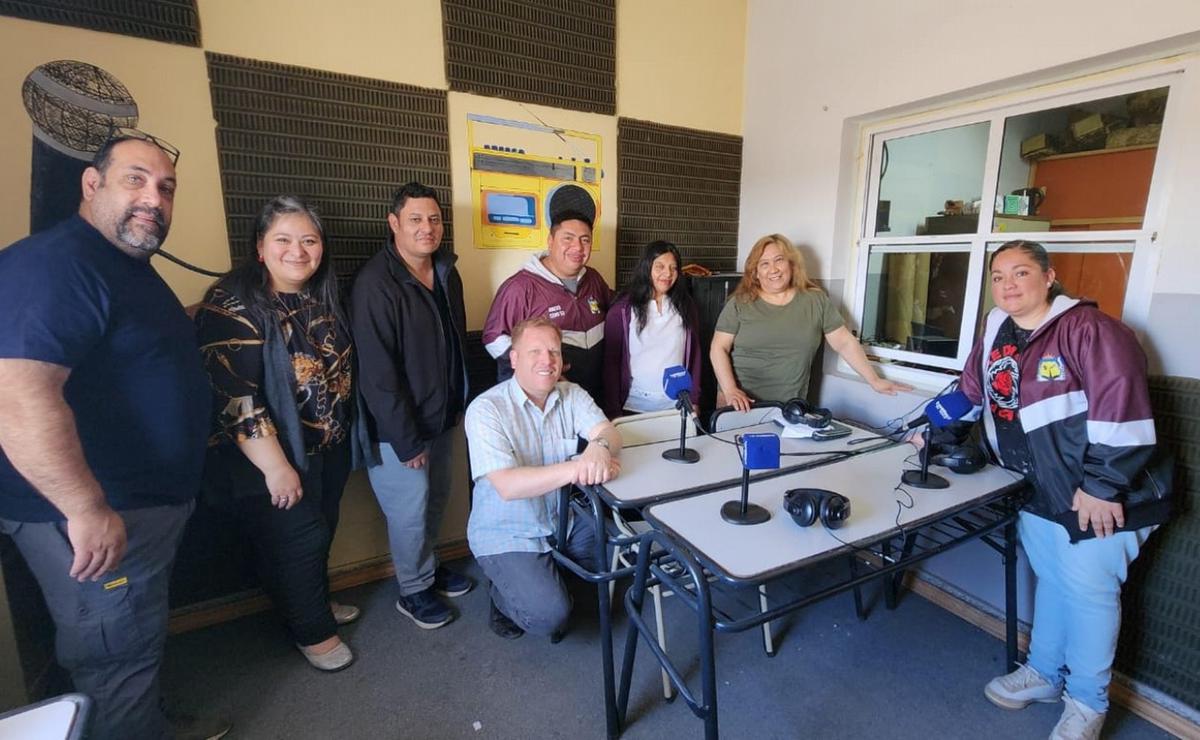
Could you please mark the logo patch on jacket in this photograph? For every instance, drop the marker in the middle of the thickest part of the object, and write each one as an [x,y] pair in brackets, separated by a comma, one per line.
[595,306]
[555,312]
[1051,368]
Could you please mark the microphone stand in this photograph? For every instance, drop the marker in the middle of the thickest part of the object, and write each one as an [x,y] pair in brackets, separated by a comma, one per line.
[682,454]
[744,512]
[923,478]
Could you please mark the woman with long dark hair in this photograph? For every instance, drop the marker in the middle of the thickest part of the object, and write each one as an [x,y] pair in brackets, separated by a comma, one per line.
[286,431]
[650,327]
[1063,393]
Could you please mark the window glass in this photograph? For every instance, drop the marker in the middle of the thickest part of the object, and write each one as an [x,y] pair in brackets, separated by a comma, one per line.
[1080,167]
[915,299]
[930,183]
[1074,175]
[1099,272]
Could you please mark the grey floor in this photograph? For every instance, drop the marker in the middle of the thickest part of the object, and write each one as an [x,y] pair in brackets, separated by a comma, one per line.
[916,672]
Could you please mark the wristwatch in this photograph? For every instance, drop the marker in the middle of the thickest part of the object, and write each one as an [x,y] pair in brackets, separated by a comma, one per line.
[600,441]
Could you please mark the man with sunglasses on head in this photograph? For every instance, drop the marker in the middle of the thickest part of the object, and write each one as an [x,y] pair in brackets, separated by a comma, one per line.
[103,422]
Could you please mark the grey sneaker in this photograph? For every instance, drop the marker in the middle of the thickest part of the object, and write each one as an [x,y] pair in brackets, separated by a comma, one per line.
[1078,722]
[425,609]
[1021,688]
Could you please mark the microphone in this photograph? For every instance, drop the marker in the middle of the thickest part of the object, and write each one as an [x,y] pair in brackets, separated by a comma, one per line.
[939,413]
[762,453]
[677,385]
[943,410]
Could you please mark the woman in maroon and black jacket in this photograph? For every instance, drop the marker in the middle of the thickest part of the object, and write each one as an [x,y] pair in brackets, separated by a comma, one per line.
[1063,394]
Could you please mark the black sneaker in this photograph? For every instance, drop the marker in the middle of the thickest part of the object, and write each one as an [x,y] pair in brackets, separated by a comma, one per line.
[425,610]
[499,622]
[448,583]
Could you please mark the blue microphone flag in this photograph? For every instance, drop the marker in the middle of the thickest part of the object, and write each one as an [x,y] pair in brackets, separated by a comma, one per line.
[948,408]
[762,451]
[676,380]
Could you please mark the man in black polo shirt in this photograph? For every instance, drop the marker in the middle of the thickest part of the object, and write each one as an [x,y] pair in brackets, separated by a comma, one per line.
[103,421]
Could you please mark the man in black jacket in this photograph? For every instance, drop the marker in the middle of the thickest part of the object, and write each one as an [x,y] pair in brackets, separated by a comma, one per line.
[409,328]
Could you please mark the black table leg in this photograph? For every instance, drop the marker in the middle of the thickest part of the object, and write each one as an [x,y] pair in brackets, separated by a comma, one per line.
[896,580]
[1010,594]
[889,583]
[708,661]
[635,597]
[606,638]
[858,599]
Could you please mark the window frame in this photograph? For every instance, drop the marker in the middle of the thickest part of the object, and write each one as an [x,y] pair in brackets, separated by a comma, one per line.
[996,110]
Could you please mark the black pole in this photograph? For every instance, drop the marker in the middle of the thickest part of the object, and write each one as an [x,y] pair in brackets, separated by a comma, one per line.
[742,511]
[53,186]
[683,454]
[1010,594]
[923,478]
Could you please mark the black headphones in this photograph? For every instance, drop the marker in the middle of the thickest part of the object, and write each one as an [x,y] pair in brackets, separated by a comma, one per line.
[799,411]
[808,505]
[964,458]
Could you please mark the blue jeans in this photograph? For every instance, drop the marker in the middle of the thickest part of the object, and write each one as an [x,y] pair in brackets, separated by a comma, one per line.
[528,587]
[413,501]
[1077,605]
[109,634]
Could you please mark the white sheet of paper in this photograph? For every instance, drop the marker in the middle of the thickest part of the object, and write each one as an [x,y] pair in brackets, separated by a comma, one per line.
[794,431]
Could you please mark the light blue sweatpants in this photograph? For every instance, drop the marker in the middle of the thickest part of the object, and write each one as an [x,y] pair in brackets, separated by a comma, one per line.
[1077,605]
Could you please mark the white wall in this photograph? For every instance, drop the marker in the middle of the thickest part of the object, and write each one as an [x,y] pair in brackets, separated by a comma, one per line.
[816,71]
[811,66]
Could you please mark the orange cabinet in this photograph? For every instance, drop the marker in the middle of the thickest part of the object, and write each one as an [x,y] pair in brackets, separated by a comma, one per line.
[1102,189]
[1106,189]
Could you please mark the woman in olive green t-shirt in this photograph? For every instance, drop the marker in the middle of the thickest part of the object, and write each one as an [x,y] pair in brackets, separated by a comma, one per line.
[771,328]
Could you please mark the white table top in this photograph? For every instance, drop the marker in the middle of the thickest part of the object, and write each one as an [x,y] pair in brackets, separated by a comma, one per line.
[650,427]
[748,552]
[646,477]
[55,719]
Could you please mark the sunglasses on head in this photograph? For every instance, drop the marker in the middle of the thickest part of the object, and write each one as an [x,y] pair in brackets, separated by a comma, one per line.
[124,133]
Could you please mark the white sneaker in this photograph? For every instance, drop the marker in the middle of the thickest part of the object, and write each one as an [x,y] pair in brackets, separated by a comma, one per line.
[1078,722]
[1021,688]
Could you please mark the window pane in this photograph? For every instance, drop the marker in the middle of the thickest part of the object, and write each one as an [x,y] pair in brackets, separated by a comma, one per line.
[914,300]
[920,173]
[1080,167]
[1098,272]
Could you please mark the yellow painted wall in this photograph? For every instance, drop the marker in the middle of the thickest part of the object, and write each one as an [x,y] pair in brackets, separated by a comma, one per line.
[681,62]
[170,84]
[383,39]
[483,270]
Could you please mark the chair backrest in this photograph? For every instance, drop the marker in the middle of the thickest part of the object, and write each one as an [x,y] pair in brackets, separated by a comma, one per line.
[727,417]
[651,426]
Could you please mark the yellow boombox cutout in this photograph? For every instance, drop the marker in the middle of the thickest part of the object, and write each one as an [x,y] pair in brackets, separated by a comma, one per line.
[519,169]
